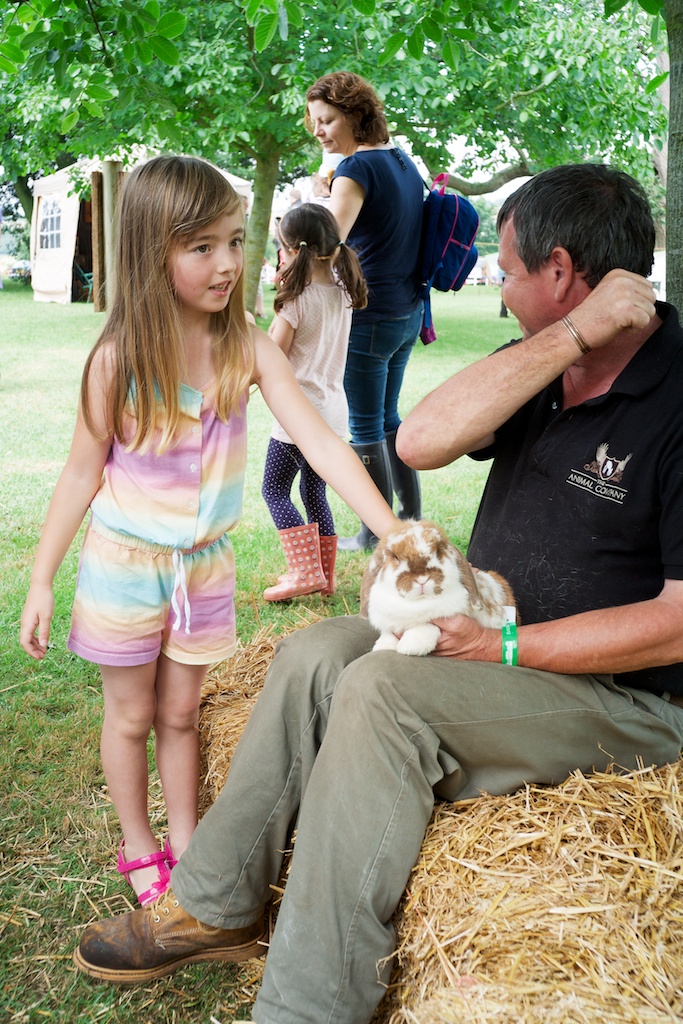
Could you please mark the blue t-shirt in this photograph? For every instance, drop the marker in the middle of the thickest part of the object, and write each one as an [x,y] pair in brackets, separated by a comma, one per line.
[387,231]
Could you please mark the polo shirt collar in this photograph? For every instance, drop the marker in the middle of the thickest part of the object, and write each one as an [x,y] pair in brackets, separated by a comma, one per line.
[653,360]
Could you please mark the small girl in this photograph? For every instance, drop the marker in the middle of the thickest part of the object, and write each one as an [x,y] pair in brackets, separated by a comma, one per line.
[320,284]
[158,456]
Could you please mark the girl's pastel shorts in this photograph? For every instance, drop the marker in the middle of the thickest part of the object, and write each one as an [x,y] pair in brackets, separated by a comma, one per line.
[135,600]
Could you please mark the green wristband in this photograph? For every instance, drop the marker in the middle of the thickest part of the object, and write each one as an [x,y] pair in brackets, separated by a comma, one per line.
[509,632]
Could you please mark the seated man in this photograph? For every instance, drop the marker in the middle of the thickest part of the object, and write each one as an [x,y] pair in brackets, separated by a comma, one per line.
[583,512]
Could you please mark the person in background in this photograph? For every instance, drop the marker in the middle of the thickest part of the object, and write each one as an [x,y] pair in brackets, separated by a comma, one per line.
[320,190]
[376,197]
[319,286]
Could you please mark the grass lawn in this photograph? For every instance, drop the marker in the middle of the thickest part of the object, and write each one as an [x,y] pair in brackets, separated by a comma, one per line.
[60,833]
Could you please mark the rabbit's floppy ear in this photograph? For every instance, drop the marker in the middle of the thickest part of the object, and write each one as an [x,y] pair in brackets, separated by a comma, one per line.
[370,575]
[467,577]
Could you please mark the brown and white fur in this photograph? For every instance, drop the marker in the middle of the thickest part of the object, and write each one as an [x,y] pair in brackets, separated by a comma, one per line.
[416,575]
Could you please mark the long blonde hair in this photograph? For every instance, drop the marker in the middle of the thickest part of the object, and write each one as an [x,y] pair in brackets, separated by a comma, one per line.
[163,202]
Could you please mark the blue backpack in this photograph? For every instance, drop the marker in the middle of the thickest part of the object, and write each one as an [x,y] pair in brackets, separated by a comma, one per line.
[449,227]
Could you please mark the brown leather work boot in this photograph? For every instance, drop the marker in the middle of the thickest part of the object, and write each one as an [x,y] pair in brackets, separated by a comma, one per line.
[155,940]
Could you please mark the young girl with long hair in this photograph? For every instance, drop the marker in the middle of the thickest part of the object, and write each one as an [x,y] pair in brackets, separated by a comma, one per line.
[320,285]
[158,456]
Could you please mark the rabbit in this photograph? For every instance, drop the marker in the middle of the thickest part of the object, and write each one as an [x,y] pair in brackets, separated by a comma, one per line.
[417,574]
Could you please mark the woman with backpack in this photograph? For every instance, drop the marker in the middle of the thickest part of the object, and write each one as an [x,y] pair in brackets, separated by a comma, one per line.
[377,197]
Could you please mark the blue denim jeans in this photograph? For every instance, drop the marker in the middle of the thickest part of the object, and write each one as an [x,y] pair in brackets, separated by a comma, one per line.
[353,744]
[375,365]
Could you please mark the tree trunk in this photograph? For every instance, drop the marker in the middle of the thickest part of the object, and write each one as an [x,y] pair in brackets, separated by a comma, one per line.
[661,157]
[25,196]
[265,180]
[674,192]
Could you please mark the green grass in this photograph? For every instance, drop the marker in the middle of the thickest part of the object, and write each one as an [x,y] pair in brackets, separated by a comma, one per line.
[59,831]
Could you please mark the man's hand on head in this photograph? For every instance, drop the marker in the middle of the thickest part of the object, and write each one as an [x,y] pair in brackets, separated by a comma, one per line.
[622,301]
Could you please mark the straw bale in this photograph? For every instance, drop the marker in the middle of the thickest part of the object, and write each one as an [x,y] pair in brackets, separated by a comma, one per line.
[558,905]
[552,905]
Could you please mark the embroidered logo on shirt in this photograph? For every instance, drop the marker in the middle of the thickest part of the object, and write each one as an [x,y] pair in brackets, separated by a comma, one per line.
[602,476]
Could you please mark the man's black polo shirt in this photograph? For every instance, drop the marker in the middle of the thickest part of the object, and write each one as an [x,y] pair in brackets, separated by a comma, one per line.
[583,509]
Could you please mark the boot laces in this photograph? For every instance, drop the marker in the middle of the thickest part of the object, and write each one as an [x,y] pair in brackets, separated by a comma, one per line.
[164,904]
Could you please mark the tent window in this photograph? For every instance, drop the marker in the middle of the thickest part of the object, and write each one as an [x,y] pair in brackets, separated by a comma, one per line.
[50,236]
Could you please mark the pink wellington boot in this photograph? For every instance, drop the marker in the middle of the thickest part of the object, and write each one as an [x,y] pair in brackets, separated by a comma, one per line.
[328,552]
[301,546]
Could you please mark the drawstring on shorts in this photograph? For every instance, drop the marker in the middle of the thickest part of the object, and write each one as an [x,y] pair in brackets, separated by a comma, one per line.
[180,584]
[177,555]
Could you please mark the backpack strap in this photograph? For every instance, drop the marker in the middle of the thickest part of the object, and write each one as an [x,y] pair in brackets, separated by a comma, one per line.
[427,332]
[440,180]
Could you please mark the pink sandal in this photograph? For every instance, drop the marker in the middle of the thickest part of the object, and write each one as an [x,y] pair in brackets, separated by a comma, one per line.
[171,859]
[158,888]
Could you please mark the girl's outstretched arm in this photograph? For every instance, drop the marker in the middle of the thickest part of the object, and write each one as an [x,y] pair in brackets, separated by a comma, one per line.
[333,459]
[77,485]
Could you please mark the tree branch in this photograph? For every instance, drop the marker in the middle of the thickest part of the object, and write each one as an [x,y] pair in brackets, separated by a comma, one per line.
[97,25]
[480,188]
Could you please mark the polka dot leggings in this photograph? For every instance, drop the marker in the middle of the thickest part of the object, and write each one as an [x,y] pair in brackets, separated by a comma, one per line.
[283,462]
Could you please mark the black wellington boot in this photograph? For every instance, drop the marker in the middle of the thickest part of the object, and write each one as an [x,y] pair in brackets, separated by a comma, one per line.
[375,458]
[405,482]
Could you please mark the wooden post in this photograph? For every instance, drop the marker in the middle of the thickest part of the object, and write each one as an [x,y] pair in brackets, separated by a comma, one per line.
[110,180]
[98,294]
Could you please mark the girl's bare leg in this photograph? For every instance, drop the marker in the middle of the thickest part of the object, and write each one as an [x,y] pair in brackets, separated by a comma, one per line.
[176,728]
[130,704]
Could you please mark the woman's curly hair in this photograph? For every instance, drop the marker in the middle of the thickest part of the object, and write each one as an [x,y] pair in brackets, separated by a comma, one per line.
[357,99]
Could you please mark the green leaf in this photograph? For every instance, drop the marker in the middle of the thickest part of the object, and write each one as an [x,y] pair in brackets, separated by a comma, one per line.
[93,108]
[612,6]
[124,98]
[251,10]
[7,66]
[144,51]
[264,31]
[450,52]
[654,31]
[365,7]
[68,122]
[391,48]
[510,6]
[34,40]
[294,13]
[152,7]
[432,29]
[145,16]
[416,43]
[99,93]
[165,50]
[463,32]
[655,83]
[653,7]
[61,68]
[171,24]
[12,52]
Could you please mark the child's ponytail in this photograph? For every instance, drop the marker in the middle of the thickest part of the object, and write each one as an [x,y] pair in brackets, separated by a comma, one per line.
[348,270]
[295,276]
